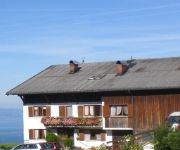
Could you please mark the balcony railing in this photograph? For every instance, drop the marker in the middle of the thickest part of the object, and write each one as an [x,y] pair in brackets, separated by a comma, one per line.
[72,122]
[118,122]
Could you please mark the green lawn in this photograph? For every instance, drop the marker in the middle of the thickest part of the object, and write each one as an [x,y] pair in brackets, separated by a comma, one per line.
[6,146]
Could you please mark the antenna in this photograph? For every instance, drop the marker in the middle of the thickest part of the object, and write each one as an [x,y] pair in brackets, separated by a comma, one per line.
[83,60]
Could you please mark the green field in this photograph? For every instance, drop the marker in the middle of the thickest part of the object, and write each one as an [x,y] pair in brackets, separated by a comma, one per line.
[6,146]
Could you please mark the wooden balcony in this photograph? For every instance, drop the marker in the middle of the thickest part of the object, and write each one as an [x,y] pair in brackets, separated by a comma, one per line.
[118,122]
[72,122]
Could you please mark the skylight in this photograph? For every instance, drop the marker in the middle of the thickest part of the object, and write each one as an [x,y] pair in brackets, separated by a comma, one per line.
[96,77]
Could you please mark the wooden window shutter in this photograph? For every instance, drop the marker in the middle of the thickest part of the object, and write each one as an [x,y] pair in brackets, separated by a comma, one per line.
[31,135]
[30,111]
[80,111]
[48,111]
[103,136]
[81,136]
[41,133]
[106,111]
[130,110]
[97,110]
[62,111]
[100,110]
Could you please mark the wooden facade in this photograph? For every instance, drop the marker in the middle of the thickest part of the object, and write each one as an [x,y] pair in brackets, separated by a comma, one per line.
[145,111]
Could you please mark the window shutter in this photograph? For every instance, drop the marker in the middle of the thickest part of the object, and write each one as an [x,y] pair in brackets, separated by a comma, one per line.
[30,111]
[31,134]
[80,111]
[62,111]
[48,111]
[81,136]
[106,111]
[100,110]
[97,110]
[103,136]
[42,133]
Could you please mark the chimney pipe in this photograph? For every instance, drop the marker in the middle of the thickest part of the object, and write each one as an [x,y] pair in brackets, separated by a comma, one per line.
[73,67]
[120,68]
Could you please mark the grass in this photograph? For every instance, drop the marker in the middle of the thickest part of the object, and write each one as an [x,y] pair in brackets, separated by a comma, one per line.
[6,146]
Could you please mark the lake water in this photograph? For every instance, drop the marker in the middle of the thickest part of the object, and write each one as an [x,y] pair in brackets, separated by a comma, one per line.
[11,126]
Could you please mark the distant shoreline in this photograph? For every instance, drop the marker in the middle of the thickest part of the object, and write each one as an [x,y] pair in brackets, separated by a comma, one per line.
[11,126]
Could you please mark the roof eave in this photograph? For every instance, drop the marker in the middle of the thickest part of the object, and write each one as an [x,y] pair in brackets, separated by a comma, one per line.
[92,91]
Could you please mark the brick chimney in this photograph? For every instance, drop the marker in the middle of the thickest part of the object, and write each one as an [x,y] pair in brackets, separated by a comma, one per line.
[120,68]
[73,67]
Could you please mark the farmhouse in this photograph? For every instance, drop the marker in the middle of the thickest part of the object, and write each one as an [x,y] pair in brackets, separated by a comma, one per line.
[98,102]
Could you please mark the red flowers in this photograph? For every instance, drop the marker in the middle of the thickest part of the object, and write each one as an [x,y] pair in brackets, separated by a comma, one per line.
[52,121]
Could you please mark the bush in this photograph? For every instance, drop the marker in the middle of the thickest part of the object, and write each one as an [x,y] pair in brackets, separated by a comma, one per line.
[160,138]
[68,142]
[174,140]
[128,143]
[51,137]
[166,139]
[101,147]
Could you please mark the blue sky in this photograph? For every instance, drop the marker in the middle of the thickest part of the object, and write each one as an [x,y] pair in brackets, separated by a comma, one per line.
[37,33]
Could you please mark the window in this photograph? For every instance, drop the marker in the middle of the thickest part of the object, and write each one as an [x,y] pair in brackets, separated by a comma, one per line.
[89,110]
[92,110]
[35,111]
[26,146]
[30,146]
[87,135]
[95,135]
[40,111]
[65,111]
[19,147]
[92,135]
[68,111]
[37,133]
[119,110]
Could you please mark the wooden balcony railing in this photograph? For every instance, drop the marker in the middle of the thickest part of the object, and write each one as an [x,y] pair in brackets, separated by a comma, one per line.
[118,122]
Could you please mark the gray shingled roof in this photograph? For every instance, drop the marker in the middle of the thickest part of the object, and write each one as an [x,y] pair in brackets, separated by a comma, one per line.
[144,74]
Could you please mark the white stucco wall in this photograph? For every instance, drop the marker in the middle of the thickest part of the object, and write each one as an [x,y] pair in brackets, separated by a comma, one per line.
[55,110]
[35,123]
[88,144]
[75,110]
[31,123]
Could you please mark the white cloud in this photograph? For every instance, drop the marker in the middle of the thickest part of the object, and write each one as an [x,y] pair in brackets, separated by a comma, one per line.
[80,45]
